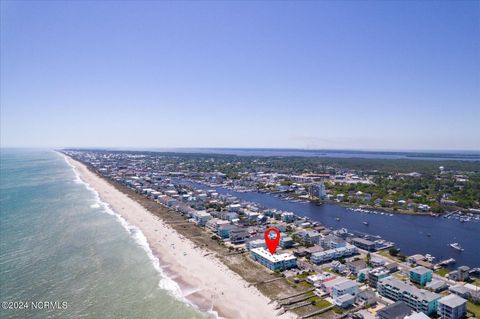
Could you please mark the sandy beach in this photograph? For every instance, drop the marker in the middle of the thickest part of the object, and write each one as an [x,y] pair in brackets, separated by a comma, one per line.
[204,280]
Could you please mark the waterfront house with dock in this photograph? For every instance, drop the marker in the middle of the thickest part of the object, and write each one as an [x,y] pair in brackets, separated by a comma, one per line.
[462,273]
[364,244]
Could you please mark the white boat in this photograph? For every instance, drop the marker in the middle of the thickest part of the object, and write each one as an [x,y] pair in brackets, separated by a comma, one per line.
[365,223]
[456,246]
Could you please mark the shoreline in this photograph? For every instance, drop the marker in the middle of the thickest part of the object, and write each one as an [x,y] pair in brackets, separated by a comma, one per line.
[229,295]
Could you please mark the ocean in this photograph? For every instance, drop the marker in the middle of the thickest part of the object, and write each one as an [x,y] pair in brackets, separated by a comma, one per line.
[60,244]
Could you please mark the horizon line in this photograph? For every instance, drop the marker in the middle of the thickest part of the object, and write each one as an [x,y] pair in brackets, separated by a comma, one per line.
[137,148]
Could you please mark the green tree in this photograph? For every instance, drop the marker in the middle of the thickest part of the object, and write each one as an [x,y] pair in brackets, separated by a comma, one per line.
[393,252]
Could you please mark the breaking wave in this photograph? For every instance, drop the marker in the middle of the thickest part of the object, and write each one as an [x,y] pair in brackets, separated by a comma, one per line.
[166,283]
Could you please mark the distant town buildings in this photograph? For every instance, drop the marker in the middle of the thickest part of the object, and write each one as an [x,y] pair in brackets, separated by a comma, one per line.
[351,257]
[318,190]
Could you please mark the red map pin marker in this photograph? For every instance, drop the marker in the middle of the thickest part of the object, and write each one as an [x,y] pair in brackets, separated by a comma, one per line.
[272,243]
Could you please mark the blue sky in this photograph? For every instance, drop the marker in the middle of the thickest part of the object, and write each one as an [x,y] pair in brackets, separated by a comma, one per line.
[357,75]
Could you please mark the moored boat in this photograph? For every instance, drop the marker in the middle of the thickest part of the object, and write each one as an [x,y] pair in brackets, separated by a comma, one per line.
[456,246]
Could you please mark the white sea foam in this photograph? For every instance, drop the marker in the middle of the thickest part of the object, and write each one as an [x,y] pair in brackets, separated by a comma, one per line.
[166,282]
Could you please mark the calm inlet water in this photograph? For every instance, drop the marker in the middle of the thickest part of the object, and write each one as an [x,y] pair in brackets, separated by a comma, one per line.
[408,232]
[60,243]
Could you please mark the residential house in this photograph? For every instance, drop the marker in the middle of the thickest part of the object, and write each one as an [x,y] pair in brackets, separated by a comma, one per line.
[312,238]
[201,217]
[367,297]
[288,217]
[256,243]
[421,275]
[436,285]
[286,241]
[338,266]
[224,230]
[417,315]
[344,301]
[462,273]
[345,287]
[332,242]
[356,265]
[238,236]
[319,279]
[397,310]
[452,307]
[375,275]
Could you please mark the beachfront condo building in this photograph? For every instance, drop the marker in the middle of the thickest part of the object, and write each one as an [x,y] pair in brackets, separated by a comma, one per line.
[273,262]
[419,300]
[452,307]
[421,275]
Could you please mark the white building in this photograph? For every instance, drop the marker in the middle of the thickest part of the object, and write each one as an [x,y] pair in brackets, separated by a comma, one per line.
[256,243]
[332,254]
[343,288]
[273,262]
[214,223]
[234,207]
[319,279]
[417,315]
